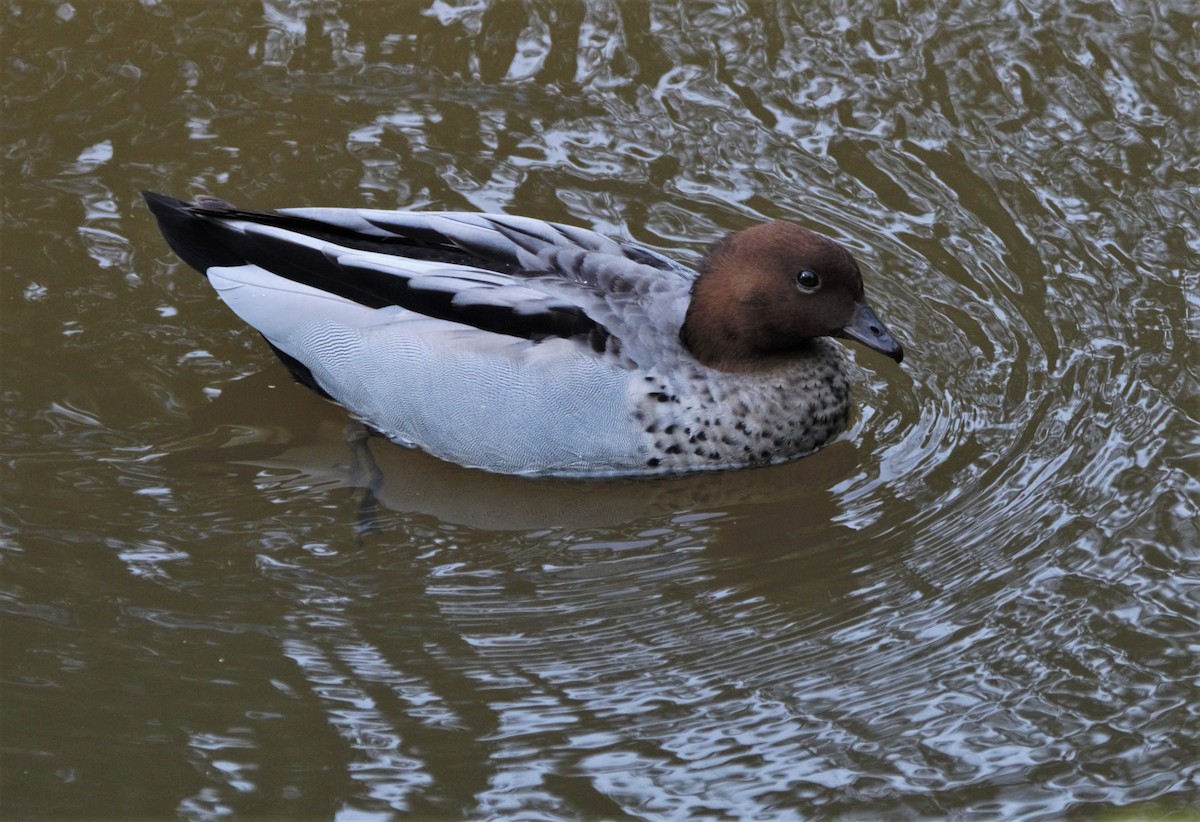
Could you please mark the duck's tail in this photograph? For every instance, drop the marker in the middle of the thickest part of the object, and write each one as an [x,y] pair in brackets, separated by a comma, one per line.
[191,232]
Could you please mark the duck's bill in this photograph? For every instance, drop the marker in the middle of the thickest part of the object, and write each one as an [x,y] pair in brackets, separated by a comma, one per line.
[865,327]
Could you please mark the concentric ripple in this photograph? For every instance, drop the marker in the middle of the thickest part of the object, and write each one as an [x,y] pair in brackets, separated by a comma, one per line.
[980,601]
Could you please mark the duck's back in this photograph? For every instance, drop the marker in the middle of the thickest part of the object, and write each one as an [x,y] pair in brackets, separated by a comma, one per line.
[503,343]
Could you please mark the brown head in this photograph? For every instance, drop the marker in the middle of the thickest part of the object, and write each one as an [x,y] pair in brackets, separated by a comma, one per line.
[768,290]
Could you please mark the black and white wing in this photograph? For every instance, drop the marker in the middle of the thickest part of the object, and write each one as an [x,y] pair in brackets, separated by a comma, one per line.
[506,275]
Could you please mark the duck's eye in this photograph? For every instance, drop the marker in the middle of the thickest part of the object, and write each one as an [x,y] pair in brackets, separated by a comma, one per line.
[808,280]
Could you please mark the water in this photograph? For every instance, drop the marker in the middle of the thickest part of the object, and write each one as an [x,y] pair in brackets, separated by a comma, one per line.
[982,600]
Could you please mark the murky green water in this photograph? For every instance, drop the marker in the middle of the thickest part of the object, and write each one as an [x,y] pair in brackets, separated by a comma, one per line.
[983,600]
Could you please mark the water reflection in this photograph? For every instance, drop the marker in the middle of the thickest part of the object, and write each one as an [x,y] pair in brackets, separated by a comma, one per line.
[977,602]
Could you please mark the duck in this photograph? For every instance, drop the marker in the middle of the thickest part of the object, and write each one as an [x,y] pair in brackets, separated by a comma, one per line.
[520,346]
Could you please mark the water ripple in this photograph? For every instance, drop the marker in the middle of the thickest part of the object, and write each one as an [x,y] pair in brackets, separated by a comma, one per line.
[980,601]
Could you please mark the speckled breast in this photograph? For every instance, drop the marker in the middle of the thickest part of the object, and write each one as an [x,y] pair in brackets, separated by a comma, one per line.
[696,418]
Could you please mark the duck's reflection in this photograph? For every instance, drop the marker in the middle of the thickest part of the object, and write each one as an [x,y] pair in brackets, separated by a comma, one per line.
[483,611]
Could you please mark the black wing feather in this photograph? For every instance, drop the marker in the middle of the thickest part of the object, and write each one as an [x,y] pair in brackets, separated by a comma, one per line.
[199,235]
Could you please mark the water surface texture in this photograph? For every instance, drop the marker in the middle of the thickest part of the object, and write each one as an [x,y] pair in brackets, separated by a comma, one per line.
[982,600]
